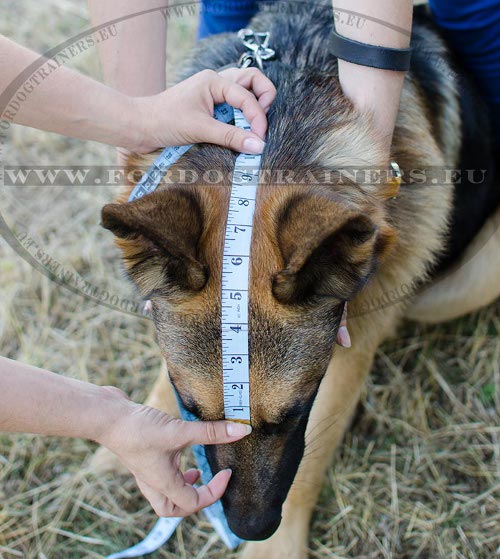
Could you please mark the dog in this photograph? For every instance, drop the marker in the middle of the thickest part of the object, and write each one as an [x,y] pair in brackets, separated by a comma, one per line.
[316,244]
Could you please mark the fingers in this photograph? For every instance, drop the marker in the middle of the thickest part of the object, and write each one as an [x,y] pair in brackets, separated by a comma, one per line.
[225,90]
[186,499]
[192,476]
[160,504]
[343,337]
[209,494]
[189,499]
[211,432]
[256,81]
[245,89]
[231,137]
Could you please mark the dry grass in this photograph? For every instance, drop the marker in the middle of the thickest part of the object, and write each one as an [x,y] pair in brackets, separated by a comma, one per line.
[416,476]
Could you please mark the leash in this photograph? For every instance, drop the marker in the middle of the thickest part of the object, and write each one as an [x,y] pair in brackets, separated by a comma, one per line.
[234,297]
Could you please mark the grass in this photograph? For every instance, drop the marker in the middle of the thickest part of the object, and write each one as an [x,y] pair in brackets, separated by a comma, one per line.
[417,476]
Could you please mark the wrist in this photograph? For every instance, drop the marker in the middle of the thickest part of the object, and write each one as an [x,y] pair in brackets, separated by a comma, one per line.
[132,125]
[112,407]
[144,124]
[379,101]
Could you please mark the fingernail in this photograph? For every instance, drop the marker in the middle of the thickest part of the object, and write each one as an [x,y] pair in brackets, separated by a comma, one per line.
[344,337]
[229,470]
[253,145]
[234,429]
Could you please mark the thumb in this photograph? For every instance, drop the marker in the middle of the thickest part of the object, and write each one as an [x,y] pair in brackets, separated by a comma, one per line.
[229,136]
[212,432]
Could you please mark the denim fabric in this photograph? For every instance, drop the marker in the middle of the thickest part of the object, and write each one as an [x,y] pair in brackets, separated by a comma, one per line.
[219,16]
[473,29]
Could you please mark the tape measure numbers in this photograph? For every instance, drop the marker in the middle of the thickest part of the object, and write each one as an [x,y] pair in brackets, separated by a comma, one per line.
[235,278]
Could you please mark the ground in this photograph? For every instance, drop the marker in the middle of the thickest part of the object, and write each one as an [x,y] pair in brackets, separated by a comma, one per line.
[415,477]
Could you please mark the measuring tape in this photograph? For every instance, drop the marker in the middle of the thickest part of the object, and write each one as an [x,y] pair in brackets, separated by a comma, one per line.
[234,317]
[235,277]
[235,263]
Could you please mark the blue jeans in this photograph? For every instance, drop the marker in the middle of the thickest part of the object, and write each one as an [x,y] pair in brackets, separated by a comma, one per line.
[219,16]
[472,27]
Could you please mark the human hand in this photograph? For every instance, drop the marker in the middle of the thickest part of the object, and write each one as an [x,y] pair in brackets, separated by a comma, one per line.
[183,114]
[149,443]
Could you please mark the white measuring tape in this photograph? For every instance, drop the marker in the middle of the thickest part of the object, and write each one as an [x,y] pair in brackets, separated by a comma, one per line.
[234,319]
[235,277]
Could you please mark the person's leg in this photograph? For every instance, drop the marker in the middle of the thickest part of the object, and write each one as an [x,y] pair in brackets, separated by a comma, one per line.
[220,16]
[473,29]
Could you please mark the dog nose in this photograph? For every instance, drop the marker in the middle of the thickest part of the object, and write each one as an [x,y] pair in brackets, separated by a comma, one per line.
[254,527]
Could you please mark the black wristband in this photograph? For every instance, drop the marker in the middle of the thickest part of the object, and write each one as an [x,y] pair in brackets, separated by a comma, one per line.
[384,58]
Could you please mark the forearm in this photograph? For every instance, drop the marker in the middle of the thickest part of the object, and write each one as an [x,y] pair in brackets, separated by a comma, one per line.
[377,91]
[33,400]
[134,61]
[69,103]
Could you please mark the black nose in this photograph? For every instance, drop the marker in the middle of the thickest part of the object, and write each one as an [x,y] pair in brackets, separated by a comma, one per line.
[254,527]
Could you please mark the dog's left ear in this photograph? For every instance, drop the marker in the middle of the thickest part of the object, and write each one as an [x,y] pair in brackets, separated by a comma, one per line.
[328,248]
[159,236]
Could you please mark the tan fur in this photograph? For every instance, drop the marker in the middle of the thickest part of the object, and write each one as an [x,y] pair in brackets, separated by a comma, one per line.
[474,281]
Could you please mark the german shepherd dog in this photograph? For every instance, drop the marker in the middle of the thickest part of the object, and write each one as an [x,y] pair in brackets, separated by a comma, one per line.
[315,245]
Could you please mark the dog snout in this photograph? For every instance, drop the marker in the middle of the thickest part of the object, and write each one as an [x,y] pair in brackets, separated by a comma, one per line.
[253,506]
[252,526]
[258,487]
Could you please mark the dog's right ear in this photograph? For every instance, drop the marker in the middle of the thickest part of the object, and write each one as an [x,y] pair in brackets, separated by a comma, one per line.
[159,235]
[329,249]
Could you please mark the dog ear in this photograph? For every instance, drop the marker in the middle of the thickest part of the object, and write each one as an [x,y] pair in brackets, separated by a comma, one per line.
[159,236]
[329,250]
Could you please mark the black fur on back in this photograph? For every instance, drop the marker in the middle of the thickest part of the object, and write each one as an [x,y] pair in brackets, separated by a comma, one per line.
[304,68]
[473,203]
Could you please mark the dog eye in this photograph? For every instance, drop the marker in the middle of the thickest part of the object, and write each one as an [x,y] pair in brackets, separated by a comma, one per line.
[190,406]
[294,413]
[274,428]
[298,408]
[194,412]
[291,414]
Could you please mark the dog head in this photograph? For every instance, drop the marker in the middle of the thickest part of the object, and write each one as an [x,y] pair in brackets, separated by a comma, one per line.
[312,250]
